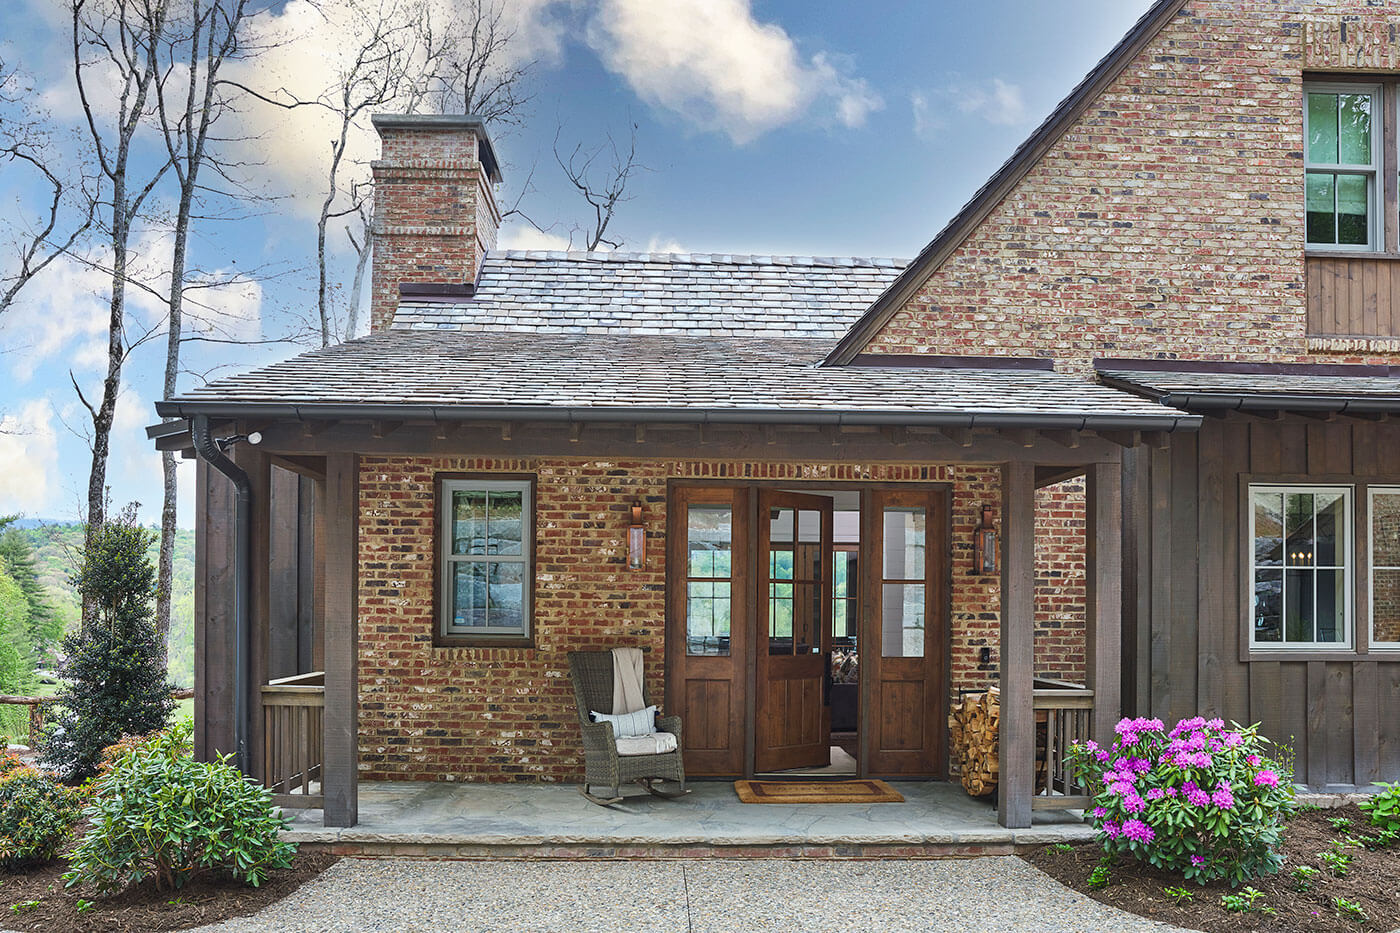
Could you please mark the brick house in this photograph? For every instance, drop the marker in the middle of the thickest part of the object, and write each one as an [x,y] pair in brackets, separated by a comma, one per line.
[1155,350]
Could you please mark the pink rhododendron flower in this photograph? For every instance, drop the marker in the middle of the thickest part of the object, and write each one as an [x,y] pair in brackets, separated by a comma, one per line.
[1120,788]
[1156,793]
[1138,831]
[1110,829]
[1253,760]
[1100,813]
[1234,739]
[1101,755]
[1198,860]
[1223,797]
[1266,778]
[1134,804]
[1198,797]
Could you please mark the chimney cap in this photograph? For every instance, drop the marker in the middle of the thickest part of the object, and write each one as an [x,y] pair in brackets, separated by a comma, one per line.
[444,122]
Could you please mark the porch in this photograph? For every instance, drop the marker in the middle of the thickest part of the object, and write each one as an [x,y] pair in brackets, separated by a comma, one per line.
[553,821]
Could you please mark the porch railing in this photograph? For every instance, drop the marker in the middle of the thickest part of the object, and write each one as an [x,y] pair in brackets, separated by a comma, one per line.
[1063,711]
[39,705]
[293,739]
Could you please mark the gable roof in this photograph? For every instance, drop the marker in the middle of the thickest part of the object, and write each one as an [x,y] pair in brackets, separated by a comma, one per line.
[1003,182]
[682,294]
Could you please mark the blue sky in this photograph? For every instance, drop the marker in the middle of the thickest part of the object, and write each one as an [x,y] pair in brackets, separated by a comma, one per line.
[767,127]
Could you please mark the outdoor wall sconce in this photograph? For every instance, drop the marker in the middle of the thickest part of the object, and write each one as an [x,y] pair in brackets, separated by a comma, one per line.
[984,545]
[636,540]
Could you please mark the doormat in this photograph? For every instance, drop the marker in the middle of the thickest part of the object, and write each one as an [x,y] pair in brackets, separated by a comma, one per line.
[816,792]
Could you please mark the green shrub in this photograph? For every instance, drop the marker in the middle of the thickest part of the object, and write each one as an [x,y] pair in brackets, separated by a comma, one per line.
[1202,799]
[114,675]
[158,814]
[1384,807]
[36,816]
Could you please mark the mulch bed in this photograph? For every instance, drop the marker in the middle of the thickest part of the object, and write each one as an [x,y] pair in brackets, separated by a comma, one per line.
[1373,881]
[205,900]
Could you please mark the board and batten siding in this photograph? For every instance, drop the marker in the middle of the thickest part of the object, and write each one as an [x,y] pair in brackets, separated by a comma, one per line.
[1185,628]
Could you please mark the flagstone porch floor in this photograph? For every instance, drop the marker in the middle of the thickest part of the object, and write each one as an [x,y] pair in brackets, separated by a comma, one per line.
[554,821]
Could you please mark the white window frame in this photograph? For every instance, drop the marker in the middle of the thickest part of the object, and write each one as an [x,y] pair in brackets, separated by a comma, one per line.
[1347,645]
[1372,171]
[446,559]
[1371,568]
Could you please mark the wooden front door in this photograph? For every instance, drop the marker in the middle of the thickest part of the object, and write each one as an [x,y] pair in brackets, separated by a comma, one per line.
[792,727]
[903,653]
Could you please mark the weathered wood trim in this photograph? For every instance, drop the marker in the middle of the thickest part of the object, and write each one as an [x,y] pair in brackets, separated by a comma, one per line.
[1016,751]
[338,501]
[1103,545]
[213,614]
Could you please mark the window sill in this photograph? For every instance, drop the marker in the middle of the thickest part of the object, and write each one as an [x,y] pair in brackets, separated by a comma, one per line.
[1350,655]
[1315,252]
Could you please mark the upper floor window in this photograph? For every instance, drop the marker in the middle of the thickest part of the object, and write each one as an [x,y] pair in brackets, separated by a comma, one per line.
[1341,125]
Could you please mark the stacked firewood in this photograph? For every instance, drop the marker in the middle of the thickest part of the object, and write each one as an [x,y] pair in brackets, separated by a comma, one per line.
[972,726]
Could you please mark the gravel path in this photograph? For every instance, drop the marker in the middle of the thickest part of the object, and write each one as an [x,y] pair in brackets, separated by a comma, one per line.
[703,896]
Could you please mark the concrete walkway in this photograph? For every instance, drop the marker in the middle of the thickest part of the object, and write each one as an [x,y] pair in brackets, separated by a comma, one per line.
[460,819]
[987,895]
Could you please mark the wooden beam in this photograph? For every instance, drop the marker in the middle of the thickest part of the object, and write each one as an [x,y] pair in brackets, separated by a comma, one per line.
[1103,548]
[1016,748]
[507,429]
[1023,436]
[575,432]
[1122,438]
[1068,439]
[896,434]
[1379,417]
[1050,475]
[960,436]
[770,435]
[384,428]
[1157,440]
[337,501]
[1327,416]
[312,428]
[1267,415]
[310,467]
[641,432]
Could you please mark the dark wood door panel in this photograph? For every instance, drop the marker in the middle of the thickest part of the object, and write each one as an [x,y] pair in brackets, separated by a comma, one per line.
[903,716]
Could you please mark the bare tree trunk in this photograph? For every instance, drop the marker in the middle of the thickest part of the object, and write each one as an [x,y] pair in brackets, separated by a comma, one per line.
[364,248]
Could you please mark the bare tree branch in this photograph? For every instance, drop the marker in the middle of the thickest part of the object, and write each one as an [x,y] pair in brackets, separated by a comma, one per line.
[602,188]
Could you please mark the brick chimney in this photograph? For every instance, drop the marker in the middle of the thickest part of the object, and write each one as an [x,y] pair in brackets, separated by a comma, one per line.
[435,212]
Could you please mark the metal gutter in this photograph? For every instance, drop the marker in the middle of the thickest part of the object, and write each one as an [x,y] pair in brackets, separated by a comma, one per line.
[1168,420]
[1341,404]
[209,450]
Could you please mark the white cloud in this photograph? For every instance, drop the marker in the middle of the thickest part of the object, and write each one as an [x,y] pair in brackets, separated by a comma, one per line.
[524,236]
[713,63]
[665,244]
[998,102]
[28,458]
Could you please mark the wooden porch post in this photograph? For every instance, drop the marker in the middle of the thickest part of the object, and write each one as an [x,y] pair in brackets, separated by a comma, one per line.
[1103,551]
[213,614]
[337,505]
[1016,746]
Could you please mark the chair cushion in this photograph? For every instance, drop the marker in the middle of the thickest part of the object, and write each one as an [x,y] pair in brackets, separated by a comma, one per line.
[642,722]
[655,743]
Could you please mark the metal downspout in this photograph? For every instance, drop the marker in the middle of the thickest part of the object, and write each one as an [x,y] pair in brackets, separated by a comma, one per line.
[209,450]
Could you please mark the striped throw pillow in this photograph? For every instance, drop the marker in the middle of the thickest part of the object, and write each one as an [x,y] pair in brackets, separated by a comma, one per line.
[642,722]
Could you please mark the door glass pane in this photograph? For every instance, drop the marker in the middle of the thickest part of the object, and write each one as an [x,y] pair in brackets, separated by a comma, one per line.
[780,564]
[1385,606]
[1298,605]
[1268,529]
[710,537]
[1322,128]
[809,527]
[1328,529]
[469,535]
[1321,207]
[780,526]
[1298,526]
[844,589]
[902,620]
[807,562]
[1353,210]
[1354,129]
[1385,530]
[707,617]
[780,600]
[806,617]
[469,594]
[1331,606]
[1268,605]
[506,599]
[504,515]
[904,544]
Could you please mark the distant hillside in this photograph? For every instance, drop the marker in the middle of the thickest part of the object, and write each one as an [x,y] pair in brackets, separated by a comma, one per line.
[55,547]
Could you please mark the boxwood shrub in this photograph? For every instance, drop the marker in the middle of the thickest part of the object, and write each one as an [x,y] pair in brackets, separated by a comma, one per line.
[158,815]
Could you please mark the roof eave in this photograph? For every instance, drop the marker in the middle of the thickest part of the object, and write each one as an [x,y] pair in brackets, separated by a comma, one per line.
[1168,420]
[932,256]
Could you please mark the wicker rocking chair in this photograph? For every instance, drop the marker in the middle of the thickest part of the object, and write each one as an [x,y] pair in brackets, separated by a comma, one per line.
[592,674]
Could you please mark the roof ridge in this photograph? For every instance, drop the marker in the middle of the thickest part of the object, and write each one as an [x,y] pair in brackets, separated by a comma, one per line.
[733,259]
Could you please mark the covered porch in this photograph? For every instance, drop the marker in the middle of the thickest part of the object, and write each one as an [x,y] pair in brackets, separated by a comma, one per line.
[552,821]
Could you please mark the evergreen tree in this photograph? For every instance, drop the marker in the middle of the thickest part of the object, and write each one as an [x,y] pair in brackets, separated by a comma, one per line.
[114,676]
[45,627]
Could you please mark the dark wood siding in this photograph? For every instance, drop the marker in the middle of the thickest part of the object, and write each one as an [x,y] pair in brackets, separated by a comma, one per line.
[1341,716]
[1353,296]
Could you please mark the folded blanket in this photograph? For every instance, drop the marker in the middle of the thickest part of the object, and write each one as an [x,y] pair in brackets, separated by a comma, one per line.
[655,743]
[627,680]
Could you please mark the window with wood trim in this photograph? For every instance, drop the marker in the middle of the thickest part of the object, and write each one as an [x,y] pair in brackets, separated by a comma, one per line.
[486,530]
[1342,162]
[1383,535]
[1300,566]
[709,578]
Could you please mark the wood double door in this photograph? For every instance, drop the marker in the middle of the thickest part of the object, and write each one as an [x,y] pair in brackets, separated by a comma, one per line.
[750,628]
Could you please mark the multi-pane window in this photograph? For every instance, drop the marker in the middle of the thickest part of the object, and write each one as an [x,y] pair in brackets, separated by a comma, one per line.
[1341,152]
[486,557]
[845,593]
[1300,566]
[903,581]
[794,580]
[709,596]
[1384,535]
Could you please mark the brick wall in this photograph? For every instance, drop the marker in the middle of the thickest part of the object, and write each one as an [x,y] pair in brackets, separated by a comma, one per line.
[430,713]
[1168,221]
